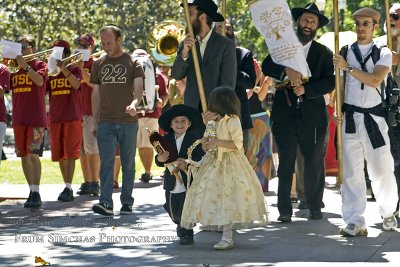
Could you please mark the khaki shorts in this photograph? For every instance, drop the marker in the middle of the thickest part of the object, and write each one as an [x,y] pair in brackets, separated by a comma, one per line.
[89,141]
[143,134]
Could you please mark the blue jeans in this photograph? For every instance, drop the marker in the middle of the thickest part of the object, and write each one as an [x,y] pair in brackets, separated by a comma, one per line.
[108,136]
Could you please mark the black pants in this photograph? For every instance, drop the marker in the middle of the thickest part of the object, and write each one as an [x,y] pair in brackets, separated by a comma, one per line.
[311,144]
[394,135]
[174,206]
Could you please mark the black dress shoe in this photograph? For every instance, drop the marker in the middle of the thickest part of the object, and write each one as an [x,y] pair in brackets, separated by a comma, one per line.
[285,218]
[302,206]
[315,215]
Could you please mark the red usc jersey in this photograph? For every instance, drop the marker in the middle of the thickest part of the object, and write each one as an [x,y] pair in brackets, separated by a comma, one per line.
[28,98]
[65,101]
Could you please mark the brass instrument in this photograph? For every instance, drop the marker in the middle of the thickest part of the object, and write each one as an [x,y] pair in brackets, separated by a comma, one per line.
[97,54]
[163,42]
[75,58]
[13,65]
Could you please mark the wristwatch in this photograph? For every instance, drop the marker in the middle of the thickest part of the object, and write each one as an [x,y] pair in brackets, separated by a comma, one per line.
[350,69]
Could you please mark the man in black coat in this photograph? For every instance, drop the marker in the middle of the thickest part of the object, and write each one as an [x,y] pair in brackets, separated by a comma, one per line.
[245,79]
[216,54]
[299,116]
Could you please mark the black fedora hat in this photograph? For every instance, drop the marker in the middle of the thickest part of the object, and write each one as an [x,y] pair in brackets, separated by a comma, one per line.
[313,9]
[181,110]
[208,7]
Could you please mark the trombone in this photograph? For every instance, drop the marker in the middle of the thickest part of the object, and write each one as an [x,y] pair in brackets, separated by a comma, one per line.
[97,54]
[75,58]
[13,65]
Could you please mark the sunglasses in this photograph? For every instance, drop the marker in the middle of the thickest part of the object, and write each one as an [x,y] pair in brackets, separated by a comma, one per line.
[395,16]
[84,45]
[26,46]
[364,24]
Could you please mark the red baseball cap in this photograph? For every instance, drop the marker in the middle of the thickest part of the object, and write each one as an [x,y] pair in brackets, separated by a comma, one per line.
[61,43]
[85,39]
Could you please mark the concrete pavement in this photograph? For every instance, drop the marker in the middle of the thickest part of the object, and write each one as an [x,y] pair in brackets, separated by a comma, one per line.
[69,234]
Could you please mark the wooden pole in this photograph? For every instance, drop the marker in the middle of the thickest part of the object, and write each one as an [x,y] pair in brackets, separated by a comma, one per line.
[223,9]
[195,59]
[338,94]
[388,33]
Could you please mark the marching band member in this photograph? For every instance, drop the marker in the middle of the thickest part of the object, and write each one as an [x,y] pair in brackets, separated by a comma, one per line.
[90,159]
[29,116]
[4,88]
[65,119]
[148,120]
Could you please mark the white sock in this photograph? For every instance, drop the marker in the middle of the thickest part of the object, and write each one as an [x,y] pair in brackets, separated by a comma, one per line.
[227,232]
[30,187]
[68,186]
[34,187]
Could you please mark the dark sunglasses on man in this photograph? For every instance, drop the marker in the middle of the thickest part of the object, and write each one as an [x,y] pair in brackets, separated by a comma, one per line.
[395,16]
[24,46]
[84,45]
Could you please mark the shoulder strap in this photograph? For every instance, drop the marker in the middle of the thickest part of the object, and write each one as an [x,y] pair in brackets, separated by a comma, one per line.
[343,52]
[376,53]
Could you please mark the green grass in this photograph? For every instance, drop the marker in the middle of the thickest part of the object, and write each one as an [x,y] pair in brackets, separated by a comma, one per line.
[11,172]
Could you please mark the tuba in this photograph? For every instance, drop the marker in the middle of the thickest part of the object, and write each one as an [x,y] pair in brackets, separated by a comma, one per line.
[163,42]
[13,65]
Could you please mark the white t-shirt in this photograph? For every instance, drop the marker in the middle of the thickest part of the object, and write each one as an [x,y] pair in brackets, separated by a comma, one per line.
[369,97]
[179,188]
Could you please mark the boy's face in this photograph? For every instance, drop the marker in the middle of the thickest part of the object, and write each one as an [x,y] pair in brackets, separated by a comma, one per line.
[180,125]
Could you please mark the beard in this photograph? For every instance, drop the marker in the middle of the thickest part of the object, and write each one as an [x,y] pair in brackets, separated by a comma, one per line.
[196,26]
[394,31]
[305,37]
[230,35]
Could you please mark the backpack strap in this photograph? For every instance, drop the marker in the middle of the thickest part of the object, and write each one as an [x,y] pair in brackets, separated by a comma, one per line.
[362,61]
[343,52]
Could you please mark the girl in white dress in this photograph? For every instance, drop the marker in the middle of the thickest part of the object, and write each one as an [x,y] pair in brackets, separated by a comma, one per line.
[225,193]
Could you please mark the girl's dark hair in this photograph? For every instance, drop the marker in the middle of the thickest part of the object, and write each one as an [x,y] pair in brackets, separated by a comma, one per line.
[224,101]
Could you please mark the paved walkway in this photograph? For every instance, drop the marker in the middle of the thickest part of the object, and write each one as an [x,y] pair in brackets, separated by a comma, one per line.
[69,234]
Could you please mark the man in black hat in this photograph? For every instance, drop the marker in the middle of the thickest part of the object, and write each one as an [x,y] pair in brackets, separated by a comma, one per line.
[178,122]
[217,54]
[299,116]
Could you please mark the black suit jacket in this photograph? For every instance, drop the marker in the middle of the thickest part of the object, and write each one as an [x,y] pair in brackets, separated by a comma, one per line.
[218,68]
[246,79]
[312,109]
[188,140]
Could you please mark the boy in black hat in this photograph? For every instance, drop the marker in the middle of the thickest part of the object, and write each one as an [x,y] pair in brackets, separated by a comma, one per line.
[178,121]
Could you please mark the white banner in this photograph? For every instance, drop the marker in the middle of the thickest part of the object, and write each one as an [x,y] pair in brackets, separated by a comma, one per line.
[274,22]
[10,49]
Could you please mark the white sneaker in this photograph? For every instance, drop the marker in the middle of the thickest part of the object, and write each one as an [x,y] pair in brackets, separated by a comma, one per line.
[390,223]
[352,230]
[224,244]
